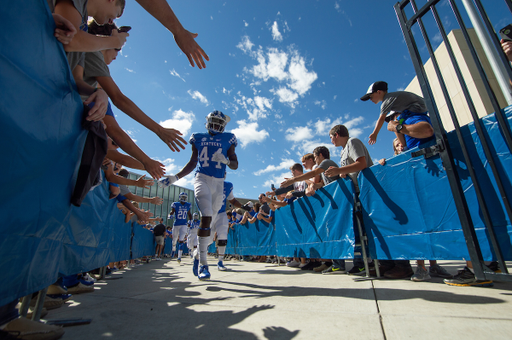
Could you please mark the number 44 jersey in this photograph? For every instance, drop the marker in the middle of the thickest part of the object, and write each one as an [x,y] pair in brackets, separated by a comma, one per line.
[206,146]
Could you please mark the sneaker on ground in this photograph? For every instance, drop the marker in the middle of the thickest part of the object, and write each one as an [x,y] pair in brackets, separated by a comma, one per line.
[356,270]
[494,266]
[88,278]
[309,266]
[204,273]
[57,288]
[399,272]
[420,275]
[220,266]
[195,267]
[302,265]
[49,302]
[63,297]
[179,260]
[334,270]
[23,328]
[466,278]
[438,271]
[292,263]
[321,267]
[81,288]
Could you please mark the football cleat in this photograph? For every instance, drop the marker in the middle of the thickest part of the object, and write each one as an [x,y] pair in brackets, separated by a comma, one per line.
[204,273]
[220,266]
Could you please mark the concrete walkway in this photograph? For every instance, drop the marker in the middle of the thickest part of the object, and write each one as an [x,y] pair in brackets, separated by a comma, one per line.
[163,300]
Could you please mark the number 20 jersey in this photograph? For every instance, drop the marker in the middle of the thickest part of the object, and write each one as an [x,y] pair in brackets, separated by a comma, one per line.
[181,212]
[206,146]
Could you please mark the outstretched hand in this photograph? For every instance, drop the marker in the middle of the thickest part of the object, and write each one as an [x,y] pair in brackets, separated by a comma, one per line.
[172,138]
[185,41]
[144,183]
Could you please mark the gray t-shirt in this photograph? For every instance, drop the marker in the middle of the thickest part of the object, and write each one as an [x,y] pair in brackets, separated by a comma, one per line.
[94,67]
[81,6]
[123,190]
[326,164]
[402,100]
[351,152]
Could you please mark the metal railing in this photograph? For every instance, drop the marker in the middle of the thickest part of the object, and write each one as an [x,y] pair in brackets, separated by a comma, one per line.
[442,147]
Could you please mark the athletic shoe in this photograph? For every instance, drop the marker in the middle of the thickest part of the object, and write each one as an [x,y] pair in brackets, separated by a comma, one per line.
[204,273]
[195,266]
[63,297]
[356,270]
[399,272]
[321,268]
[292,263]
[220,266]
[23,328]
[420,275]
[57,288]
[465,278]
[49,302]
[494,266]
[302,265]
[438,271]
[179,260]
[81,288]
[334,270]
[88,278]
[309,266]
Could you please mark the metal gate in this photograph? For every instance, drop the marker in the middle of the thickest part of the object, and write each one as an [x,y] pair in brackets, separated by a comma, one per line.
[442,147]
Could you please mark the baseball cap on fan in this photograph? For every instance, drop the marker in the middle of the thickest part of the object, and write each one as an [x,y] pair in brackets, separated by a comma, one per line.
[378,85]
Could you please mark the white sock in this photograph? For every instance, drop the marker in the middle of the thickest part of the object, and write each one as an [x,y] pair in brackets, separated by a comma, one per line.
[196,253]
[179,253]
[203,249]
[221,250]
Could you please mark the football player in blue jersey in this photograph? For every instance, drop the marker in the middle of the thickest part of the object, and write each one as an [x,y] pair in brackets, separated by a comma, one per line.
[181,212]
[211,153]
[193,225]
[220,223]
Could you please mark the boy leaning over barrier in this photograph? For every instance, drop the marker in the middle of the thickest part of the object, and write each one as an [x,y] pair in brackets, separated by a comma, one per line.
[405,110]
[354,158]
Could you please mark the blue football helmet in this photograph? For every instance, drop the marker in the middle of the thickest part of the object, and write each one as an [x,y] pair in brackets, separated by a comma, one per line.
[183,197]
[195,216]
[216,122]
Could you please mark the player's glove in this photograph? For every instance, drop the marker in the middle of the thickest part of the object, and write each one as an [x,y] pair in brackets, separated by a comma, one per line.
[219,157]
[246,207]
[167,180]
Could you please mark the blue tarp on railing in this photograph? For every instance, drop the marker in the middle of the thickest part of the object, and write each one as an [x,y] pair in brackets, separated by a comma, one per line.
[409,211]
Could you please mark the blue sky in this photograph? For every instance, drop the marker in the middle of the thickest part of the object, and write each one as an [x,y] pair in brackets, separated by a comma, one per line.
[284,71]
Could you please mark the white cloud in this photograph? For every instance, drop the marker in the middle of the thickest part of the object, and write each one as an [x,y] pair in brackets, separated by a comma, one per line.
[321,103]
[245,45]
[301,78]
[286,96]
[285,164]
[175,74]
[170,167]
[276,35]
[299,134]
[248,133]
[276,180]
[181,121]
[198,96]
[245,23]
[275,68]
[127,69]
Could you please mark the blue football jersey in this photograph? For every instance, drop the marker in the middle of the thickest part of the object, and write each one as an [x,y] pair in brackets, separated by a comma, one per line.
[180,212]
[206,146]
[228,191]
